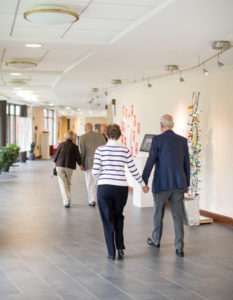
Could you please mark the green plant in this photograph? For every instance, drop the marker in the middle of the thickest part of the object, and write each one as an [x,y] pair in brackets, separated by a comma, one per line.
[14,148]
[8,155]
[33,145]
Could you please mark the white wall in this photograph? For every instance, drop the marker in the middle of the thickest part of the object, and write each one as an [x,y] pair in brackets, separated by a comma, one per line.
[216,102]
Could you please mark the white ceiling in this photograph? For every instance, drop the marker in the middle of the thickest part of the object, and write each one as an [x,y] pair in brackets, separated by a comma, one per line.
[113,39]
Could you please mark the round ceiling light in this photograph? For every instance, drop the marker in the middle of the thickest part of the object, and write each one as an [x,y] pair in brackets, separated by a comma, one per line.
[16,82]
[221,45]
[51,15]
[20,64]
[116,81]
[171,68]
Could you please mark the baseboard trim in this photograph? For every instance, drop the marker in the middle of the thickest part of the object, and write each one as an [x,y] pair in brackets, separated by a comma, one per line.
[227,221]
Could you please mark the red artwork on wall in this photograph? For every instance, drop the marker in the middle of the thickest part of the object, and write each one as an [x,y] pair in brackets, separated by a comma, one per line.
[138,128]
[132,110]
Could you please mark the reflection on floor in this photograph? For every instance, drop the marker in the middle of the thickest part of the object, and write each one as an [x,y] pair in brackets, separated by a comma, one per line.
[49,252]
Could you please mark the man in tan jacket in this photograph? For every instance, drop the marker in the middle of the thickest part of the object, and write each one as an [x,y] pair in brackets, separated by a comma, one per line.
[88,144]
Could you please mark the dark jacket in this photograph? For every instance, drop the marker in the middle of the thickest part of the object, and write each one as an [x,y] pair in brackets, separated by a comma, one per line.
[169,153]
[67,155]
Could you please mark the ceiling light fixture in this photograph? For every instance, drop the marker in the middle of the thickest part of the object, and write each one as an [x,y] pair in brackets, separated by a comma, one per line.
[221,45]
[27,95]
[15,74]
[205,71]
[220,64]
[33,45]
[116,81]
[181,78]
[21,64]
[16,82]
[50,14]
[171,68]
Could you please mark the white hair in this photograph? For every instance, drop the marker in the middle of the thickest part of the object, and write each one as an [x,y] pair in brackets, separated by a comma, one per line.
[167,121]
[88,126]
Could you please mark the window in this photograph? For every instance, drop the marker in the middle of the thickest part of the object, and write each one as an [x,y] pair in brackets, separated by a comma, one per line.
[13,114]
[49,124]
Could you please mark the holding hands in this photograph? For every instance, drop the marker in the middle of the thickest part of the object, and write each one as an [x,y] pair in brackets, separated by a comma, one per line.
[145,189]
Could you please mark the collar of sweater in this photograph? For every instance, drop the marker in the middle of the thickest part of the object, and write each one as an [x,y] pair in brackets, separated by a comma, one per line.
[112,143]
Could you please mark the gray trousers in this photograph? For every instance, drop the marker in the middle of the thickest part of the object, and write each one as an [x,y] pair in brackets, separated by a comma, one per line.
[175,198]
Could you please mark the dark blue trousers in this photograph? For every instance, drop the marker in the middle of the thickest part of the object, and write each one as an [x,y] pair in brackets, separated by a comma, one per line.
[111,202]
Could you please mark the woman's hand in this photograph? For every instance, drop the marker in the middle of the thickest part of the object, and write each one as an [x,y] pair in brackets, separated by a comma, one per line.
[145,189]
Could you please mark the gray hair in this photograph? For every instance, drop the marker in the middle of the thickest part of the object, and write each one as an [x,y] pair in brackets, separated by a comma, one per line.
[88,126]
[70,135]
[167,121]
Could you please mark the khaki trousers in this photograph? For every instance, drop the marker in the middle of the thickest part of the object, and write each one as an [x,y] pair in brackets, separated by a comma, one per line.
[91,186]
[64,181]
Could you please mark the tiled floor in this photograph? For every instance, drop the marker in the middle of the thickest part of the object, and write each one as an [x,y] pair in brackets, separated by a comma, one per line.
[48,252]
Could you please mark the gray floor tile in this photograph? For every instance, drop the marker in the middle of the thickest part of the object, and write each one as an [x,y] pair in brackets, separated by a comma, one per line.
[48,252]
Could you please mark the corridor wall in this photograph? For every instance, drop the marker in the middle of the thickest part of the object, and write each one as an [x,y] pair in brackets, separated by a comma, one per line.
[216,103]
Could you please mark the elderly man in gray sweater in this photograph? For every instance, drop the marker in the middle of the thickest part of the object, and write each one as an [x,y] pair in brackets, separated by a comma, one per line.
[88,144]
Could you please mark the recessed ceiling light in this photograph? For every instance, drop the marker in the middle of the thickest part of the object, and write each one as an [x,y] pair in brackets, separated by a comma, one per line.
[33,45]
[51,104]
[15,74]
[17,88]
[67,107]
[50,14]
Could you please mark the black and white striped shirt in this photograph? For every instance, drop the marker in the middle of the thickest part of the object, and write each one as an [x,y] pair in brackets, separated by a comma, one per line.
[109,165]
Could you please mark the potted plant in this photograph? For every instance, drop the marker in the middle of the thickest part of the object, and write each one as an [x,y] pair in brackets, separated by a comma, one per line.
[31,151]
[8,156]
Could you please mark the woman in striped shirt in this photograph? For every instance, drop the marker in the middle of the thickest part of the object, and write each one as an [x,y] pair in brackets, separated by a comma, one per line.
[112,191]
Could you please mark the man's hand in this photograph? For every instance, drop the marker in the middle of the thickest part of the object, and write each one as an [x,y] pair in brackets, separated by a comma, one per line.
[82,168]
[145,189]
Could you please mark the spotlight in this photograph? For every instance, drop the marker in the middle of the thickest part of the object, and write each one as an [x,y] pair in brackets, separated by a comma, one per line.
[220,64]
[181,78]
[149,85]
[205,71]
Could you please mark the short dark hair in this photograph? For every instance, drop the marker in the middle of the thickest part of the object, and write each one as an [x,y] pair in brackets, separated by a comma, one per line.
[113,131]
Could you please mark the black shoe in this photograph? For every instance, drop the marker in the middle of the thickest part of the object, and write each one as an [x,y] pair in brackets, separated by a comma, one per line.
[151,243]
[121,254]
[92,204]
[67,205]
[111,257]
[180,252]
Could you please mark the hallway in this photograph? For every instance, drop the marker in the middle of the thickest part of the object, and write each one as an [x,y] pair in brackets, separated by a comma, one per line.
[48,252]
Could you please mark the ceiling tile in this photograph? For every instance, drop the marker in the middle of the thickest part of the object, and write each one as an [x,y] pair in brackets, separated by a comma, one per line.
[8,6]
[115,11]
[101,24]
[91,36]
